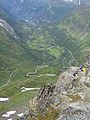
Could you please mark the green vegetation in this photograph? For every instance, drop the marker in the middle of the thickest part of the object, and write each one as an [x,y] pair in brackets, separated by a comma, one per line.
[41,12]
[12,59]
[17,98]
[13,89]
[56,46]
[15,63]
[54,52]
[50,115]
[77,26]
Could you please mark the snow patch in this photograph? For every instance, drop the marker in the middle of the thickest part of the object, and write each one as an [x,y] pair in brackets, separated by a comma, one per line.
[4,99]
[26,20]
[49,75]
[7,114]
[23,89]
[20,115]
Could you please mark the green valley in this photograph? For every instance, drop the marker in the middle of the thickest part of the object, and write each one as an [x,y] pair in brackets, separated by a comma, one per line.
[34,55]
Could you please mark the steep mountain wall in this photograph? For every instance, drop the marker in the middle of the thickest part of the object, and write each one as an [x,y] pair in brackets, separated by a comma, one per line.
[7,27]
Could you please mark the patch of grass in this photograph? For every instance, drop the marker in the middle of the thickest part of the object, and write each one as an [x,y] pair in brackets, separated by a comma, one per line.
[22,98]
[3,107]
[75,98]
[17,98]
[12,90]
[50,115]
[54,52]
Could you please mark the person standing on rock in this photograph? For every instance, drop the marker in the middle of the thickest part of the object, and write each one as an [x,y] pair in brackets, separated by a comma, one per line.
[84,69]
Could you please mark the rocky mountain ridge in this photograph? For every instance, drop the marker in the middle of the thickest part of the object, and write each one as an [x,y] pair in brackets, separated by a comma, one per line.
[7,27]
[69,98]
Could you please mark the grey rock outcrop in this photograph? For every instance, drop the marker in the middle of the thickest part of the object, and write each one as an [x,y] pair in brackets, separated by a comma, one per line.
[70,95]
[8,28]
[74,114]
[74,90]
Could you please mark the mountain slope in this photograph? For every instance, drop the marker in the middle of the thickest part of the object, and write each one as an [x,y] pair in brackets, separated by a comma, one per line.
[19,66]
[38,11]
[12,55]
[39,53]
[62,44]
[78,26]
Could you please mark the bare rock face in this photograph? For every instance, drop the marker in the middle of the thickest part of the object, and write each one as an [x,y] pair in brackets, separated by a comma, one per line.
[44,97]
[68,78]
[73,91]
[74,114]
[7,27]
